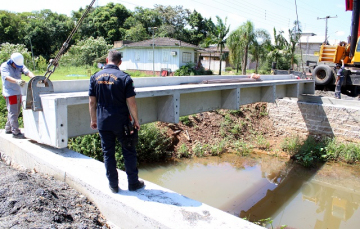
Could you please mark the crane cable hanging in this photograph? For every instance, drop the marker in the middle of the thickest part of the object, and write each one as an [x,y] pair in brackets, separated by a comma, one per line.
[54,62]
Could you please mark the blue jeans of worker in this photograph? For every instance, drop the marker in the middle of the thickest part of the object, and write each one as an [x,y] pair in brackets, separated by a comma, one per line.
[108,141]
[338,88]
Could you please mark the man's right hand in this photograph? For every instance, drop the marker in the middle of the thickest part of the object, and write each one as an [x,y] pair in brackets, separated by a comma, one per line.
[20,82]
[93,125]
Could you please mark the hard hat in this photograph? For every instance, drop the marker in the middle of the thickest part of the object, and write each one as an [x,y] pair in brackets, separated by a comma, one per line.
[18,59]
[338,65]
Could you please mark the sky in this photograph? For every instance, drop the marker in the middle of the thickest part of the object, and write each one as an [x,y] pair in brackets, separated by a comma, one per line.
[265,14]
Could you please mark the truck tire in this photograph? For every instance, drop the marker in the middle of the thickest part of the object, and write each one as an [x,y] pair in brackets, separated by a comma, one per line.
[323,75]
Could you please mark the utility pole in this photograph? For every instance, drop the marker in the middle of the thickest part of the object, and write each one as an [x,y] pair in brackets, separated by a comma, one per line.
[326,26]
[153,57]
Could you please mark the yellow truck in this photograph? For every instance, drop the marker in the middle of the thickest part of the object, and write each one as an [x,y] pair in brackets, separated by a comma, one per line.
[324,72]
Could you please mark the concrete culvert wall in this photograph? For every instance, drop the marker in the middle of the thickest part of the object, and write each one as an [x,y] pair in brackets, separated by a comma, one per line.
[327,117]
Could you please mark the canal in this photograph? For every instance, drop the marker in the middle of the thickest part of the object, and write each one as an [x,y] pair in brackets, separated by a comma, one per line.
[261,186]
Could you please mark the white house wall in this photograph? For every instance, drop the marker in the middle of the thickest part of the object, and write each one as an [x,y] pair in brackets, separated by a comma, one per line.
[141,58]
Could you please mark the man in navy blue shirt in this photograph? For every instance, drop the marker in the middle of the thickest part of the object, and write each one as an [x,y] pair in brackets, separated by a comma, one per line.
[339,79]
[111,101]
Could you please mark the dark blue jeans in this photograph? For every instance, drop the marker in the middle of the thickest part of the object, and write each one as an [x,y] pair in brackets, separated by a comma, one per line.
[338,88]
[108,141]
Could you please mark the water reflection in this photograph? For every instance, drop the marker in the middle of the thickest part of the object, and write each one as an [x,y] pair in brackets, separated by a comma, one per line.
[263,187]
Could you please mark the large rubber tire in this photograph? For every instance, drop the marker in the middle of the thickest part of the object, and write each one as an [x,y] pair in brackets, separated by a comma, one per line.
[323,75]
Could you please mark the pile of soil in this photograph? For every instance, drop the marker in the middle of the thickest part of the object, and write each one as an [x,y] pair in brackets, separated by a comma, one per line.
[30,200]
[209,128]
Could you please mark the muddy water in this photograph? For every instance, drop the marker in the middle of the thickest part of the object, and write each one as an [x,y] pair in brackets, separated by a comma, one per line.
[262,187]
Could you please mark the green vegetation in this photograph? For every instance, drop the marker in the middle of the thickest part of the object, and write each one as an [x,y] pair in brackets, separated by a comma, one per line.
[190,70]
[310,151]
[153,146]
[185,120]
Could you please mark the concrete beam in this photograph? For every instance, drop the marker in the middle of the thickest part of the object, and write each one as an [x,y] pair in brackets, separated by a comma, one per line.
[65,112]
[151,207]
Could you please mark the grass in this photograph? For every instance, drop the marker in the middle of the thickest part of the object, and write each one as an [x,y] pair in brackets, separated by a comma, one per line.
[311,150]
[77,73]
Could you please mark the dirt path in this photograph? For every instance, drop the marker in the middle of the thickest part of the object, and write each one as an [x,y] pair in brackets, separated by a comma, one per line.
[30,200]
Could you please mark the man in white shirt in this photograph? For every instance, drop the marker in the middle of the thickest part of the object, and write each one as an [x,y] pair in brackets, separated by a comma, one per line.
[11,71]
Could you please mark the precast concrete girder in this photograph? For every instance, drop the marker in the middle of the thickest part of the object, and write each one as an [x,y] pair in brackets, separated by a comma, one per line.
[65,112]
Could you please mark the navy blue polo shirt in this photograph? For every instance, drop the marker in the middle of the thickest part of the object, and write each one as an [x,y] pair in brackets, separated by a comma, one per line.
[111,87]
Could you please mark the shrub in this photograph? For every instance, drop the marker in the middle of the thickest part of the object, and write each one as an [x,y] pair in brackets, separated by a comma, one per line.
[153,145]
[291,144]
[190,70]
[199,150]
[85,52]
[183,151]
[185,120]
[185,70]
[228,69]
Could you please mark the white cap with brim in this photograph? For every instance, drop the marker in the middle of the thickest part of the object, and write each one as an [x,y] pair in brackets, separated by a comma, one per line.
[17,59]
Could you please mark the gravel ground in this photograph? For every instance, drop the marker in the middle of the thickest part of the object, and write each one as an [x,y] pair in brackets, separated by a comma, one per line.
[331,94]
[30,200]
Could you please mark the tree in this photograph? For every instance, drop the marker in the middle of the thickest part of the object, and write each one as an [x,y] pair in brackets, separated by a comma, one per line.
[136,33]
[275,52]
[294,37]
[199,28]
[104,21]
[86,51]
[11,27]
[47,31]
[173,21]
[247,37]
[217,36]
[235,49]
[258,48]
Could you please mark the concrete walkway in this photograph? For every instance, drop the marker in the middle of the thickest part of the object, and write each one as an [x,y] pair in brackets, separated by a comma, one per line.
[152,207]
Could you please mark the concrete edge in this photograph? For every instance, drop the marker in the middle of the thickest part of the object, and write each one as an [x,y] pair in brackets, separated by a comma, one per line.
[152,207]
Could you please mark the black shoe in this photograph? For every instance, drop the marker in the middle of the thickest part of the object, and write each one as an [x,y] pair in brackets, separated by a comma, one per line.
[138,185]
[114,189]
[19,136]
[8,132]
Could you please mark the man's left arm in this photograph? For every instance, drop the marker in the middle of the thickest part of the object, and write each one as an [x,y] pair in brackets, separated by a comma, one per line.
[27,72]
[30,74]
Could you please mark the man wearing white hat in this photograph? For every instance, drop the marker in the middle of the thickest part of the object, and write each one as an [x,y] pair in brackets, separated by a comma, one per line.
[11,71]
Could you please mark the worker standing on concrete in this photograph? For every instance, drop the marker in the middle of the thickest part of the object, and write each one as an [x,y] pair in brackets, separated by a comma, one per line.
[111,101]
[339,80]
[11,71]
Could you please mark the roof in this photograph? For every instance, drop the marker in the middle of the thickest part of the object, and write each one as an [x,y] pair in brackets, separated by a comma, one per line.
[161,42]
[212,51]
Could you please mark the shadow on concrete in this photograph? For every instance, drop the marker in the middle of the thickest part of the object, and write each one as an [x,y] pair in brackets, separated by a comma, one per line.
[162,197]
[315,118]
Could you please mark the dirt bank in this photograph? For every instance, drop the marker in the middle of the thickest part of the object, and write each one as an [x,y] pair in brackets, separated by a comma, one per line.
[30,200]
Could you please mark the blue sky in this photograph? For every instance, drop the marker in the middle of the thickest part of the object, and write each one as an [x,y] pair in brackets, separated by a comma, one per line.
[265,14]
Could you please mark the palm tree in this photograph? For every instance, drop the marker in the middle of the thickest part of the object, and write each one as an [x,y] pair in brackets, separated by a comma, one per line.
[217,36]
[258,48]
[294,37]
[247,37]
[276,50]
[235,49]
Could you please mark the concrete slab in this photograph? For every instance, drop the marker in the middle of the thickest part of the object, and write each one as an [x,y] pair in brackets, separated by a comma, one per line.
[152,207]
